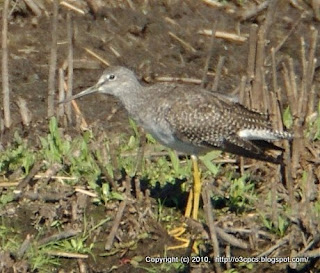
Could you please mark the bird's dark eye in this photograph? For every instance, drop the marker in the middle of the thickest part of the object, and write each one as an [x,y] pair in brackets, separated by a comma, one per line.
[111,77]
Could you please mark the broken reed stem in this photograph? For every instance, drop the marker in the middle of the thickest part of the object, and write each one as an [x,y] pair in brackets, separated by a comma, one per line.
[297,105]
[93,6]
[291,166]
[310,189]
[230,37]
[5,70]
[311,59]
[310,98]
[70,66]
[68,255]
[276,99]
[33,6]
[274,71]
[53,59]
[266,93]
[185,44]
[305,96]
[278,244]
[59,236]
[251,12]
[296,144]
[24,111]
[140,153]
[303,57]
[274,201]
[119,215]
[95,55]
[61,106]
[34,170]
[24,246]
[288,88]
[276,94]
[218,73]
[116,224]
[275,113]
[209,56]
[252,51]
[51,172]
[259,87]
[213,232]
[242,91]
[311,102]
[292,76]
[72,7]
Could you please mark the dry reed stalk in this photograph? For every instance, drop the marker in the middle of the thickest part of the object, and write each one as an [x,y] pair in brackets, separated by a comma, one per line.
[276,98]
[24,246]
[207,206]
[83,267]
[95,55]
[231,37]
[177,79]
[72,7]
[274,201]
[24,111]
[242,89]
[258,87]
[185,44]
[218,73]
[68,255]
[61,106]
[94,6]
[249,13]
[53,59]
[34,170]
[209,56]
[252,51]
[119,215]
[59,236]
[33,6]
[311,98]
[70,67]
[5,70]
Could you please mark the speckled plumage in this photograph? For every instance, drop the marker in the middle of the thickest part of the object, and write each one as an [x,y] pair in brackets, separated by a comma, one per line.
[188,118]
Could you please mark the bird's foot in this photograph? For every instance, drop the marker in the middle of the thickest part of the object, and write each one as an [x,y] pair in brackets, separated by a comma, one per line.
[176,233]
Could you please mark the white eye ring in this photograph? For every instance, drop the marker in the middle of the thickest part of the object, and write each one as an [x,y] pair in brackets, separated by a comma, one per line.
[111,77]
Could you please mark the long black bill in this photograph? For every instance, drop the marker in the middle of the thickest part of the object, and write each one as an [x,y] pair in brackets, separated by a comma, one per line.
[88,91]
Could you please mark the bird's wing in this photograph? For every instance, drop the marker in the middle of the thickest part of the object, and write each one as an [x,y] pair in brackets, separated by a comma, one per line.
[209,121]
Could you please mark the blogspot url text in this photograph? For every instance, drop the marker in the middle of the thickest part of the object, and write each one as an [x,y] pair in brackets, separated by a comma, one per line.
[224,259]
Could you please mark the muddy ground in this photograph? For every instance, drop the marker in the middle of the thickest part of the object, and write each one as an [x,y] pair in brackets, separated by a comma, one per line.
[142,35]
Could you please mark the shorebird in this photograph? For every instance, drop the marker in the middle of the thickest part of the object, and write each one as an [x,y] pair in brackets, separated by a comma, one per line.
[190,119]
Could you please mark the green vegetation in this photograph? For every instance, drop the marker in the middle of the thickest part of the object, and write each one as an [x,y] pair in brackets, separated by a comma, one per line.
[82,160]
[287,118]
[279,227]
[17,155]
[313,130]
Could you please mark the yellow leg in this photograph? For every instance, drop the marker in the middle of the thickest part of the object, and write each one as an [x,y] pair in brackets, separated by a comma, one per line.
[196,187]
[192,205]
[187,212]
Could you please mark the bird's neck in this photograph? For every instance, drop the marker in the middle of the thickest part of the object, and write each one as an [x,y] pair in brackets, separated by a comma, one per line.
[132,98]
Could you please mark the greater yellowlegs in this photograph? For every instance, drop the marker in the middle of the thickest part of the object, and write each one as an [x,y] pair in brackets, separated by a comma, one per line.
[189,119]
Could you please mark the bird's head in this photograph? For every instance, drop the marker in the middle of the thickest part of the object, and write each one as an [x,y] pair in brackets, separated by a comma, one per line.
[116,81]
